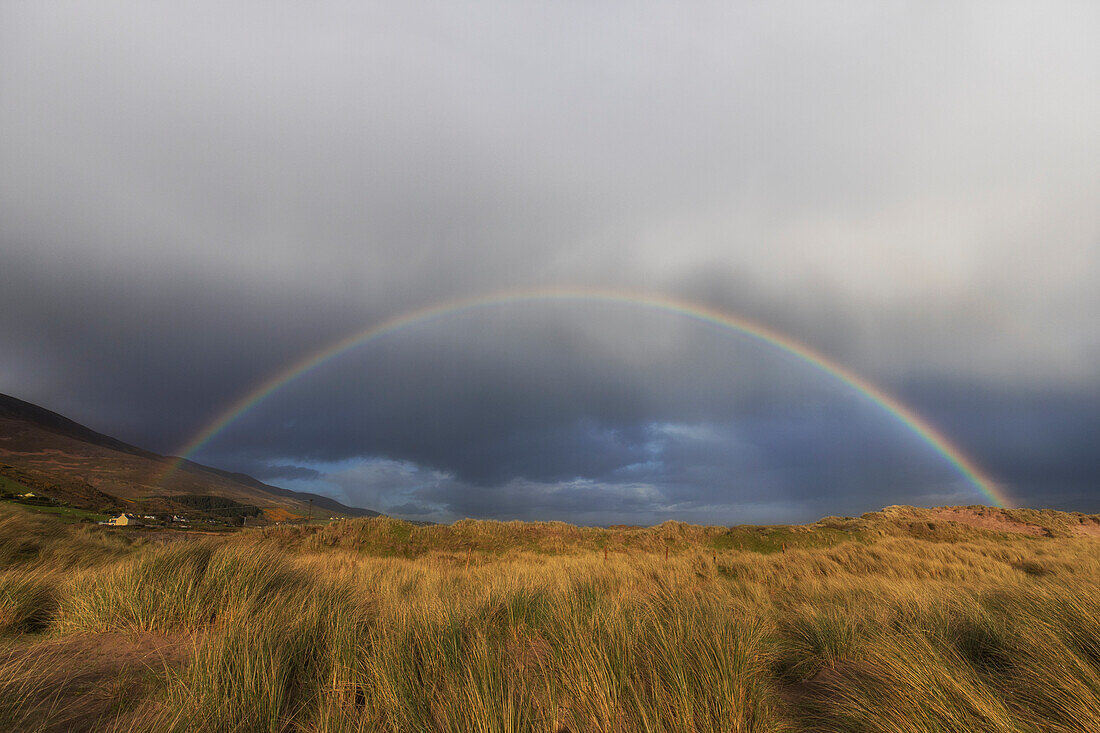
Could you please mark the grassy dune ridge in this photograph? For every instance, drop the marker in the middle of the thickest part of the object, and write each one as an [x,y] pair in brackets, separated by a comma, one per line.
[896,621]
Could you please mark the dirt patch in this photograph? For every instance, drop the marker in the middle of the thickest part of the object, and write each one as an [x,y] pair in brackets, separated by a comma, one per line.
[76,682]
[989,519]
[1087,528]
[809,701]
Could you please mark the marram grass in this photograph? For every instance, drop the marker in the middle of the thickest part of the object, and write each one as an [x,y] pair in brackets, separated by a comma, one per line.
[533,628]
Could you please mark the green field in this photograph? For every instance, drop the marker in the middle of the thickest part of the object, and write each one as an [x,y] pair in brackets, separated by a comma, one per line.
[8,486]
[66,513]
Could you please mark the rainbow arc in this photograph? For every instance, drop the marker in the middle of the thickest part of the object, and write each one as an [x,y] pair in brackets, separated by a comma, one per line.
[693,311]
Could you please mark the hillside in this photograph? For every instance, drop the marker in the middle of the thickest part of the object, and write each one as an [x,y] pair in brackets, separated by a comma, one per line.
[50,454]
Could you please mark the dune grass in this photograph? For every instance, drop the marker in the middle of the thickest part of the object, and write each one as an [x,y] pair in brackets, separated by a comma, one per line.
[891,625]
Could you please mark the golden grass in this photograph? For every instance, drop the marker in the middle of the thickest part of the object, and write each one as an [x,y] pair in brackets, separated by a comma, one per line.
[903,627]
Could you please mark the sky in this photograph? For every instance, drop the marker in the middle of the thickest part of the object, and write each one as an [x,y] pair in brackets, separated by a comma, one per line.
[194,196]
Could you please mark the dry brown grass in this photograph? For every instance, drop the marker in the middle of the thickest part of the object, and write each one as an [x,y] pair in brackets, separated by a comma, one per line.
[893,622]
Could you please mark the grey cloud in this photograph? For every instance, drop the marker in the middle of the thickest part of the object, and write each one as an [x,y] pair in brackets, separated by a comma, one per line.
[411,509]
[194,197]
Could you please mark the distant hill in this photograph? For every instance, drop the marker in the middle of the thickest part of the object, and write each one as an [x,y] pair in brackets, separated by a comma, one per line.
[51,454]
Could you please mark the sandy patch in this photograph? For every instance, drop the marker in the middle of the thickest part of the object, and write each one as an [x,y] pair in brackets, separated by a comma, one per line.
[1087,528]
[987,519]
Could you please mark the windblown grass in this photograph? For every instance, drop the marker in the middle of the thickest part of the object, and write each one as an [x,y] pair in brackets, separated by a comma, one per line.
[28,600]
[890,625]
[29,538]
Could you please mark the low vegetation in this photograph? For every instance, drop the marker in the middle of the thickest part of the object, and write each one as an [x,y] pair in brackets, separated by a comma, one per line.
[217,507]
[902,620]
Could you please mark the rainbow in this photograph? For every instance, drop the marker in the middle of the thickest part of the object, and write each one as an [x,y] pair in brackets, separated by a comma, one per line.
[694,311]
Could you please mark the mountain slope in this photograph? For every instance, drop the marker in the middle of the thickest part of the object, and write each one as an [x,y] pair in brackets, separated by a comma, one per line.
[54,455]
[15,409]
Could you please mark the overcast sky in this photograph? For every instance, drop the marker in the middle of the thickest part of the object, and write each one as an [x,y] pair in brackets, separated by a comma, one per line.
[193,196]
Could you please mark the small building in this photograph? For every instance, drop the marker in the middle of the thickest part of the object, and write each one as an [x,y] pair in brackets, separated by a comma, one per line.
[124,520]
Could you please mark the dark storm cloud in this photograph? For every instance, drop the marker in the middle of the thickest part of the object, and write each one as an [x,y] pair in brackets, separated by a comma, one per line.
[193,197]
[1040,445]
[704,473]
[271,472]
[536,397]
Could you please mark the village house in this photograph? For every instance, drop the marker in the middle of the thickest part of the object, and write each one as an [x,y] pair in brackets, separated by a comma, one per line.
[123,520]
